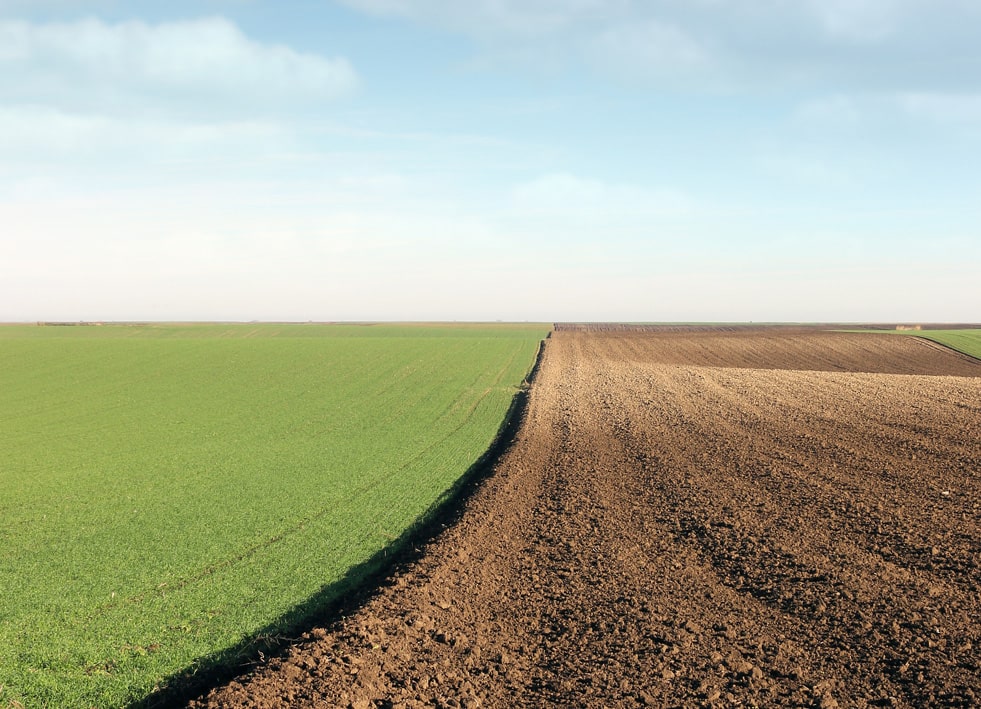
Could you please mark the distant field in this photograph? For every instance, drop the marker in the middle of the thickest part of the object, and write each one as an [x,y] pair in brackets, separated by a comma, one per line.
[967,341]
[169,491]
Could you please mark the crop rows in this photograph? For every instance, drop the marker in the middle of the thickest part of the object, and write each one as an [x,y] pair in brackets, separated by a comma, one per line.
[966,341]
[170,492]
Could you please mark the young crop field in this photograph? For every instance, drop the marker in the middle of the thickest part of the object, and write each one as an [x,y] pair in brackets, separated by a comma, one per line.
[169,492]
[966,341]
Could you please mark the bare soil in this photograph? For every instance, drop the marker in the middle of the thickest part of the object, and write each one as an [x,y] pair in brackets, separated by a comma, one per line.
[691,518]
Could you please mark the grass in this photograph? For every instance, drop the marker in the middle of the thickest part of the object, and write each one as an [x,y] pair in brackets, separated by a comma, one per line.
[963,340]
[170,491]
[966,341]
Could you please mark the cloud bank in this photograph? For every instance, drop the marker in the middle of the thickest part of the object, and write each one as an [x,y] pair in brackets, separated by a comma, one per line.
[194,65]
[133,92]
[717,44]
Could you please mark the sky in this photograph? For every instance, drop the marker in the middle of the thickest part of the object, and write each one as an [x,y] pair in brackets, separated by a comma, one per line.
[543,160]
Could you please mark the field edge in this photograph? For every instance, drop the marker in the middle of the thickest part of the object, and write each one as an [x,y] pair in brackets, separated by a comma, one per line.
[359,583]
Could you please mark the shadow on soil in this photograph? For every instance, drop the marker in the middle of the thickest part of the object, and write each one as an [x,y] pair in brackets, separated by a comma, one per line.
[345,596]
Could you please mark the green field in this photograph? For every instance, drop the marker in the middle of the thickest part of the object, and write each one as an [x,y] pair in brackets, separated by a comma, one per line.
[966,341]
[169,492]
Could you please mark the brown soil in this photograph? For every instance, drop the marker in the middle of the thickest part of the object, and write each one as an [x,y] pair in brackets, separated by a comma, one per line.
[716,519]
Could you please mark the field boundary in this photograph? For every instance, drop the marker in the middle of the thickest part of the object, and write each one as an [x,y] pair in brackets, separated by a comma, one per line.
[945,347]
[928,334]
[362,581]
[685,535]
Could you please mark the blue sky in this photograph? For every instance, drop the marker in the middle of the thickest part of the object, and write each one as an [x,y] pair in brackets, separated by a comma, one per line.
[767,160]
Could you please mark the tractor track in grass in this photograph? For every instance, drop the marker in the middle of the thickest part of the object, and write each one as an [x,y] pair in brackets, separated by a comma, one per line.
[716,518]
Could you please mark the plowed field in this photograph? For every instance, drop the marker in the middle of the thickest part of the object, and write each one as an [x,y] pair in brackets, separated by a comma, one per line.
[717,519]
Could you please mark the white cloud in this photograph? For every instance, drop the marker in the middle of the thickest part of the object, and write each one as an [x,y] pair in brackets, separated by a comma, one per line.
[860,20]
[943,107]
[871,44]
[614,35]
[50,153]
[105,95]
[36,133]
[560,190]
[199,64]
[647,48]
[570,196]
[496,17]
[809,171]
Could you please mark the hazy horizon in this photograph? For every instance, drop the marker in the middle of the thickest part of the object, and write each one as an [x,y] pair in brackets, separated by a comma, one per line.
[905,325]
[497,160]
